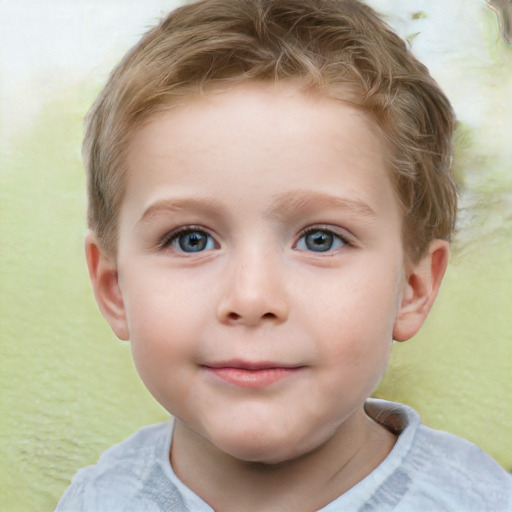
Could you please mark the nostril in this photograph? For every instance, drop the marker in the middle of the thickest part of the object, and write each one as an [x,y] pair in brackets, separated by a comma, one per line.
[234,317]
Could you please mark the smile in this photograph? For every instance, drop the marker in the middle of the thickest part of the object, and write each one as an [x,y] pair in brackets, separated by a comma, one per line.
[251,375]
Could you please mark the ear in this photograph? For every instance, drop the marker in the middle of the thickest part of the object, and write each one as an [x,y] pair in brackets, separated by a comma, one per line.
[420,289]
[105,283]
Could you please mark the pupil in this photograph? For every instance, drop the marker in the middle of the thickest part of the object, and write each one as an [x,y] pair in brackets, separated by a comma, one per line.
[319,241]
[193,242]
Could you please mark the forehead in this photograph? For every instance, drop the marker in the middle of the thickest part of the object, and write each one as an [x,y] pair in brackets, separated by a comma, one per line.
[255,136]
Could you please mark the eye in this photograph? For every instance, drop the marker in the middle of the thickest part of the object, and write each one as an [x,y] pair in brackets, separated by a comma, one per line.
[319,240]
[191,240]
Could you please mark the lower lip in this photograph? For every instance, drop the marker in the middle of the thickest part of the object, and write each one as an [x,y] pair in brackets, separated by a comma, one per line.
[252,378]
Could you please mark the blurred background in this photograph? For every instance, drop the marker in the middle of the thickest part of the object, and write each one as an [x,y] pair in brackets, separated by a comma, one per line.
[68,389]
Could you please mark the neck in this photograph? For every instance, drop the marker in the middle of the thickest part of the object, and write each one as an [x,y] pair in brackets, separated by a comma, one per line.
[229,484]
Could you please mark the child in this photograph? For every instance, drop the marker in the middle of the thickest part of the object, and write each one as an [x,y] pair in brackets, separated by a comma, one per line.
[270,204]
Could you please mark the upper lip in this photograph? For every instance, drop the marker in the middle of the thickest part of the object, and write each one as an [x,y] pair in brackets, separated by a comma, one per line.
[250,365]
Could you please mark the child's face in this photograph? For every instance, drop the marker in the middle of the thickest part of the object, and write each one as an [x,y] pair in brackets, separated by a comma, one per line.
[260,266]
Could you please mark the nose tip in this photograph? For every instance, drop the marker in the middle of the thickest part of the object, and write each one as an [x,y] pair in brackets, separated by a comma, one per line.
[253,295]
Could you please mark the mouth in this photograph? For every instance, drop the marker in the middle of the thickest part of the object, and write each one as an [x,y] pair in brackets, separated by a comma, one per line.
[247,374]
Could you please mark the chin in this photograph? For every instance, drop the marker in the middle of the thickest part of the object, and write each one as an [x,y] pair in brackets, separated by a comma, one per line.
[260,447]
[264,455]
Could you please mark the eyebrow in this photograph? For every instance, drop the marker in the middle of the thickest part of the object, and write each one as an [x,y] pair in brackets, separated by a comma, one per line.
[282,207]
[206,205]
[287,205]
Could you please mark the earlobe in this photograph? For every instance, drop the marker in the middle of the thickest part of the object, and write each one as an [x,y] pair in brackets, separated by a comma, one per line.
[420,290]
[105,283]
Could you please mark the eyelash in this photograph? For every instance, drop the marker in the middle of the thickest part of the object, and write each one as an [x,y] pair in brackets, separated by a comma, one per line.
[345,242]
[173,236]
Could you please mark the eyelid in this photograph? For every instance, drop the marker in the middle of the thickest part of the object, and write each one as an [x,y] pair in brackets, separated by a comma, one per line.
[165,241]
[339,232]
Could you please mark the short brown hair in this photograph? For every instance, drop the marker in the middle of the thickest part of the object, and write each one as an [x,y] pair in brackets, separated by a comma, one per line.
[340,47]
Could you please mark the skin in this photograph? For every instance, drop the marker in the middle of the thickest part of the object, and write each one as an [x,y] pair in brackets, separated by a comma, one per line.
[266,342]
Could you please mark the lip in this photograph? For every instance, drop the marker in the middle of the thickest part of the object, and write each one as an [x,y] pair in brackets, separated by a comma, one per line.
[251,375]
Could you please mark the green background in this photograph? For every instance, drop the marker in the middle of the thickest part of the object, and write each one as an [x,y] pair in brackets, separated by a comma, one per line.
[68,387]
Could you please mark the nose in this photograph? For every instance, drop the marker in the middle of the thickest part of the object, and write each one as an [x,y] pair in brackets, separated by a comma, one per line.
[254,292]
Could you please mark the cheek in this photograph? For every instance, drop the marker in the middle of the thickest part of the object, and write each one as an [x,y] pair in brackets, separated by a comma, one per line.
[356,305]
[163,305]
[355,322]
[164,324]
[163,349]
